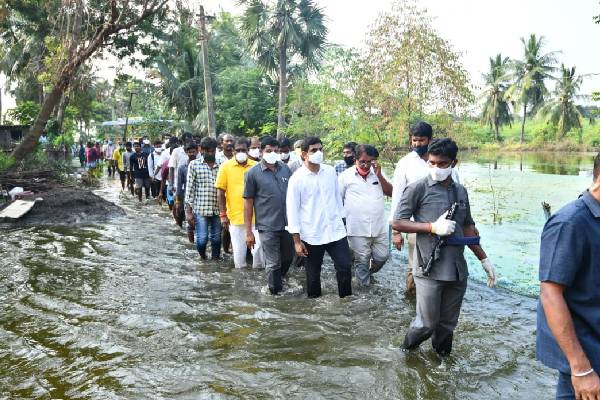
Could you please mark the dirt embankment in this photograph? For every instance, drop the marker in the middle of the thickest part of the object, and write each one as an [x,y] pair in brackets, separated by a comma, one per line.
[67,205]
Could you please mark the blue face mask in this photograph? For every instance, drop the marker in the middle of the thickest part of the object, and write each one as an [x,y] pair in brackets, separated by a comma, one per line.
[420,150]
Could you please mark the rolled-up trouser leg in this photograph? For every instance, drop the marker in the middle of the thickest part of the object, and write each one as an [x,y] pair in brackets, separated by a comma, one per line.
[380,252]
[429,297]
[271,242]
[312,265]
[451,302]
[410,281]
[339,252]
[361,252]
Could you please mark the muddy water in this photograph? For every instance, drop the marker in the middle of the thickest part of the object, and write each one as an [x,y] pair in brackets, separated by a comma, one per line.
[126,310]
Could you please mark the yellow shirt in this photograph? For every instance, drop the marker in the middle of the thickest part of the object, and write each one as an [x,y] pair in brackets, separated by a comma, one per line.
[118,157]
[231,179]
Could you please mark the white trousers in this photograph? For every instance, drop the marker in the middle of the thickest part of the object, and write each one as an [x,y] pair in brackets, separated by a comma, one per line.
[238,244]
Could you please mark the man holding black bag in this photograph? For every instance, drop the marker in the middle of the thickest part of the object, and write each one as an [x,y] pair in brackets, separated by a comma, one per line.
[440,290]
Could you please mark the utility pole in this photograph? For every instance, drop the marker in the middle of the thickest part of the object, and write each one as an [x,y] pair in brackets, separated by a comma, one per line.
[127,118]
[208,93]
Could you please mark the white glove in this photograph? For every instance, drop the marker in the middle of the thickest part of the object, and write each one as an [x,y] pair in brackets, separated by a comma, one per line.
[489,270]
[443,226]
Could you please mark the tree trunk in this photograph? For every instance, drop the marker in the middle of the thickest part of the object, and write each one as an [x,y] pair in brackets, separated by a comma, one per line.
[1,88]
[496,130]
[523,123]
[29,142]
[282,90]
[60,114]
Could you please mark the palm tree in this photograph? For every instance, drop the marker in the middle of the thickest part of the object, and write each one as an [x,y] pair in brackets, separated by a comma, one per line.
[530,75]
[282,33]
[496,111]
[562,111]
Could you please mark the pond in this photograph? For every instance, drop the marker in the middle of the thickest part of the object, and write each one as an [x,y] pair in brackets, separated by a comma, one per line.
[126,310]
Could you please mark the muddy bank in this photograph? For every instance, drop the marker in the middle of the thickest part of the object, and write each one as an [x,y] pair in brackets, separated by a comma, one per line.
[67,205]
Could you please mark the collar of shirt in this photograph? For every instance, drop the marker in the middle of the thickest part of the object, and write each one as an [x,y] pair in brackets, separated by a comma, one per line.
[305,171]
[591,203]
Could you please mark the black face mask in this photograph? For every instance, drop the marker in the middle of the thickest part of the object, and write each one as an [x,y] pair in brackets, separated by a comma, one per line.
[349,160]
[420,150]
[209,158]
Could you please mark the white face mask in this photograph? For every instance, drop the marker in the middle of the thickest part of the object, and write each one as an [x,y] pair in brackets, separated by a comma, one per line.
[284,156]
[440,174]
[254,153]
[241,157]
[270,158]
[316,158]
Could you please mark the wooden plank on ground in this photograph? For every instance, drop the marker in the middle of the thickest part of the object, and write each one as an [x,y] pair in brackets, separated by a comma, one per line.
[17,209]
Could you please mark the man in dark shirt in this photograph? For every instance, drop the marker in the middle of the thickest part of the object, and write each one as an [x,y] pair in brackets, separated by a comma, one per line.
[265,190]
[439,293]
[568,328]
[138,163]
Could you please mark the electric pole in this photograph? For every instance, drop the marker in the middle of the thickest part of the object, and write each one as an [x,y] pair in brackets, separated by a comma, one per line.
[208,93]
[127,118]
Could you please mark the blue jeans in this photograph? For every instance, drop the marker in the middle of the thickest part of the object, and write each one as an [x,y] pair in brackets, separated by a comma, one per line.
[564,388]
[203,226]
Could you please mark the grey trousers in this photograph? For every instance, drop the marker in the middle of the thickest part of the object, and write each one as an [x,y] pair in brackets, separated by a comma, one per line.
[438,308]
[278,252]
[370,254]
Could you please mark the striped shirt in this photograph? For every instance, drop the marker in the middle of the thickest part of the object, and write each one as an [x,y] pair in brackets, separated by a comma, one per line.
[200,193]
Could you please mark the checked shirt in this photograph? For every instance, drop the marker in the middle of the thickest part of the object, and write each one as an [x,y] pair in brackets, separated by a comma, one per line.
[200,192]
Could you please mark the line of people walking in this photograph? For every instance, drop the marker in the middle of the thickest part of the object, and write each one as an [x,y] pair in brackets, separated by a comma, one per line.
[278,206]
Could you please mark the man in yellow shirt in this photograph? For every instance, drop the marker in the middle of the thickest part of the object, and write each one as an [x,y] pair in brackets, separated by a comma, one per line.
[230,190]
[118,162]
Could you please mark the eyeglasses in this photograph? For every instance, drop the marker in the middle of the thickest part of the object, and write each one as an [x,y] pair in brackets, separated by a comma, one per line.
[365,162]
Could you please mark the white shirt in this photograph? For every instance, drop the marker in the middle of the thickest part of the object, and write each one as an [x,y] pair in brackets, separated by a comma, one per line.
[221,158]
[155,160]
[314,206]
[363,203]
[409,169]
[178,157]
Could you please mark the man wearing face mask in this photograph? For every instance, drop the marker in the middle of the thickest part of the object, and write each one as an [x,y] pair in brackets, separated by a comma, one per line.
[191,149]
[177,158]
[265,189]
[254,150]
[297,162]
[349,152]
[230,189]
[423,210]
[314,213]
[366,226]
[285,152]
[409,169]
[155,161]
[201,206]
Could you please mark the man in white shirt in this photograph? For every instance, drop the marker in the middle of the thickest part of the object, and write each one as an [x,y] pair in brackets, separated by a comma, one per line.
[178,158]
[409,169]
[155,161]
[314,213]
[362,188]
[227,146]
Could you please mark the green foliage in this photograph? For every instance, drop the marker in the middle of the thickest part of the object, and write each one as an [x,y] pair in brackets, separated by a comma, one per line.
[6,162]
[24,113]
[562,111]
[496,111]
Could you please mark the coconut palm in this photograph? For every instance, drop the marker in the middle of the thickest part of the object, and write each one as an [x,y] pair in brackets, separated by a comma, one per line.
[530,74]
[283,33]
[561,110]
[496,111]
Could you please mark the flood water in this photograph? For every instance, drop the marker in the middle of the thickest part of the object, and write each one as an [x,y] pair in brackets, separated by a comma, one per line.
[126,310]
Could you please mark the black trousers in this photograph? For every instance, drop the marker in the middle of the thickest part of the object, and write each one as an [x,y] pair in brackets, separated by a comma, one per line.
[155,187]
[339,252]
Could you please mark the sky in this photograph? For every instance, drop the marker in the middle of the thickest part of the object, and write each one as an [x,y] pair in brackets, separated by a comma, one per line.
[477,29]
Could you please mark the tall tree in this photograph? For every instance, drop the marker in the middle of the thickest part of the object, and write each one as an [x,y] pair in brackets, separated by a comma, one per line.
[117,22]
[530,75]
[496,111]
[561,110]
[281,33]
